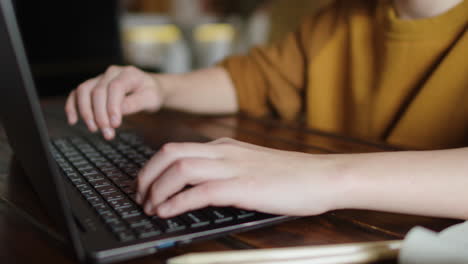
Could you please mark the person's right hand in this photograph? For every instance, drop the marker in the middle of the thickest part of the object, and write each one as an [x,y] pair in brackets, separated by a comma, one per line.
[102,101]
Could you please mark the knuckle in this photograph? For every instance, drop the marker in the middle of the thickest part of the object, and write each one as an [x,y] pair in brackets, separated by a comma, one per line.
[115,85]
[71,94]
[228,148]
[169,148]
[112,68]
[183,166]
[131,69]
[82,88]
[227,139]
[223,140]
[98,92]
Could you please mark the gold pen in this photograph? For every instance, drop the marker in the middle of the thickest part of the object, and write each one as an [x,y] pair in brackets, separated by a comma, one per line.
[338,254]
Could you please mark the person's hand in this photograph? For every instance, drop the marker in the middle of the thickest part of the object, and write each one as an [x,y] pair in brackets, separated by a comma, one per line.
[102,101]
[227,172]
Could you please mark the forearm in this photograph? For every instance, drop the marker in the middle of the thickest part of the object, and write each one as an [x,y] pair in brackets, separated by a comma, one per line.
[430,183]
[207,91]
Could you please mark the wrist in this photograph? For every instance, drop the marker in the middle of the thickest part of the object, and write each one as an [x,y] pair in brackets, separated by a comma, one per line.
[332,180]
[346,182]
[163,84]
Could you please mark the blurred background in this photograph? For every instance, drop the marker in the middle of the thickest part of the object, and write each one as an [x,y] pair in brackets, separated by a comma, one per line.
[70,41]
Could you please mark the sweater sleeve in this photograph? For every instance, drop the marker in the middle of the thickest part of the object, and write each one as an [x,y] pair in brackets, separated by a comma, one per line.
[271,79]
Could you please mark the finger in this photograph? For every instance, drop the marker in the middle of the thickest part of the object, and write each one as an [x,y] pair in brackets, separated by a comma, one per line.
[125,82]
[191,171]
[83,96]
[167,155]
[70,108]
[223,140]
[214,193]
[231,141]
[99,101]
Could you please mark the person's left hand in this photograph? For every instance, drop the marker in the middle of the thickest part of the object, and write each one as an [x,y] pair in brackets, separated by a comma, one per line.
[227,172]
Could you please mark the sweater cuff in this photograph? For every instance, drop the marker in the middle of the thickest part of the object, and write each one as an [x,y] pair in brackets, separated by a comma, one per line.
[249,86]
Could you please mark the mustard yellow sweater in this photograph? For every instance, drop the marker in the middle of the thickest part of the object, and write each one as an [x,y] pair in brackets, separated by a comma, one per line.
[357,69]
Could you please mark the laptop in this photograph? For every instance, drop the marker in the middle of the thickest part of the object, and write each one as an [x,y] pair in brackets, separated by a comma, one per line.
[84,182]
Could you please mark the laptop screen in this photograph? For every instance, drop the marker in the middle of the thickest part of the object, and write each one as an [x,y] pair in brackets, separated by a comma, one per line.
[21,116]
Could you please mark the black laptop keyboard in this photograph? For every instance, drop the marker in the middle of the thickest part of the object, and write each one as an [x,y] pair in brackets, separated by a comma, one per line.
[104,174]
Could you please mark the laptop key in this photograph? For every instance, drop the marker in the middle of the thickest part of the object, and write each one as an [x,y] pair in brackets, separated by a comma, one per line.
[104,189]
[142,224]
[107,215]
[109,169]
[145,232]
[125,236]
[138,220]
[89,172]
[100,183]
[132,172]
[78,181]
[112,221]
[85,168]
[242,214]
[110,196]
[116,175]
[84,188]
[94,200]
[101,208]
[129,190]
[124,183]
[219,215]
[118,227]
[68,170]
[132,214]
[120,203]
[81,163]
[89,194]
[73,175]
[105,168]
[124,209]
[195,219]
[170,225]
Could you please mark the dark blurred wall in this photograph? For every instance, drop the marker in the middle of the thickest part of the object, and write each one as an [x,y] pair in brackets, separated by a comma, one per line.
[68,41]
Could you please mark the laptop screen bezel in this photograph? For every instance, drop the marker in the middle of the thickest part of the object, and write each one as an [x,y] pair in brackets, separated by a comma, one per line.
[19,111]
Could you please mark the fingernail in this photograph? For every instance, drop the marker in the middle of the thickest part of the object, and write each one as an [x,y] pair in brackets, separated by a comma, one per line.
[108,133]
[72,120]
[115,120]
[91,125]
[148,208]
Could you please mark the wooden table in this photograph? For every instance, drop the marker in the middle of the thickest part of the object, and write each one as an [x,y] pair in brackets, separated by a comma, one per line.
[27,235]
